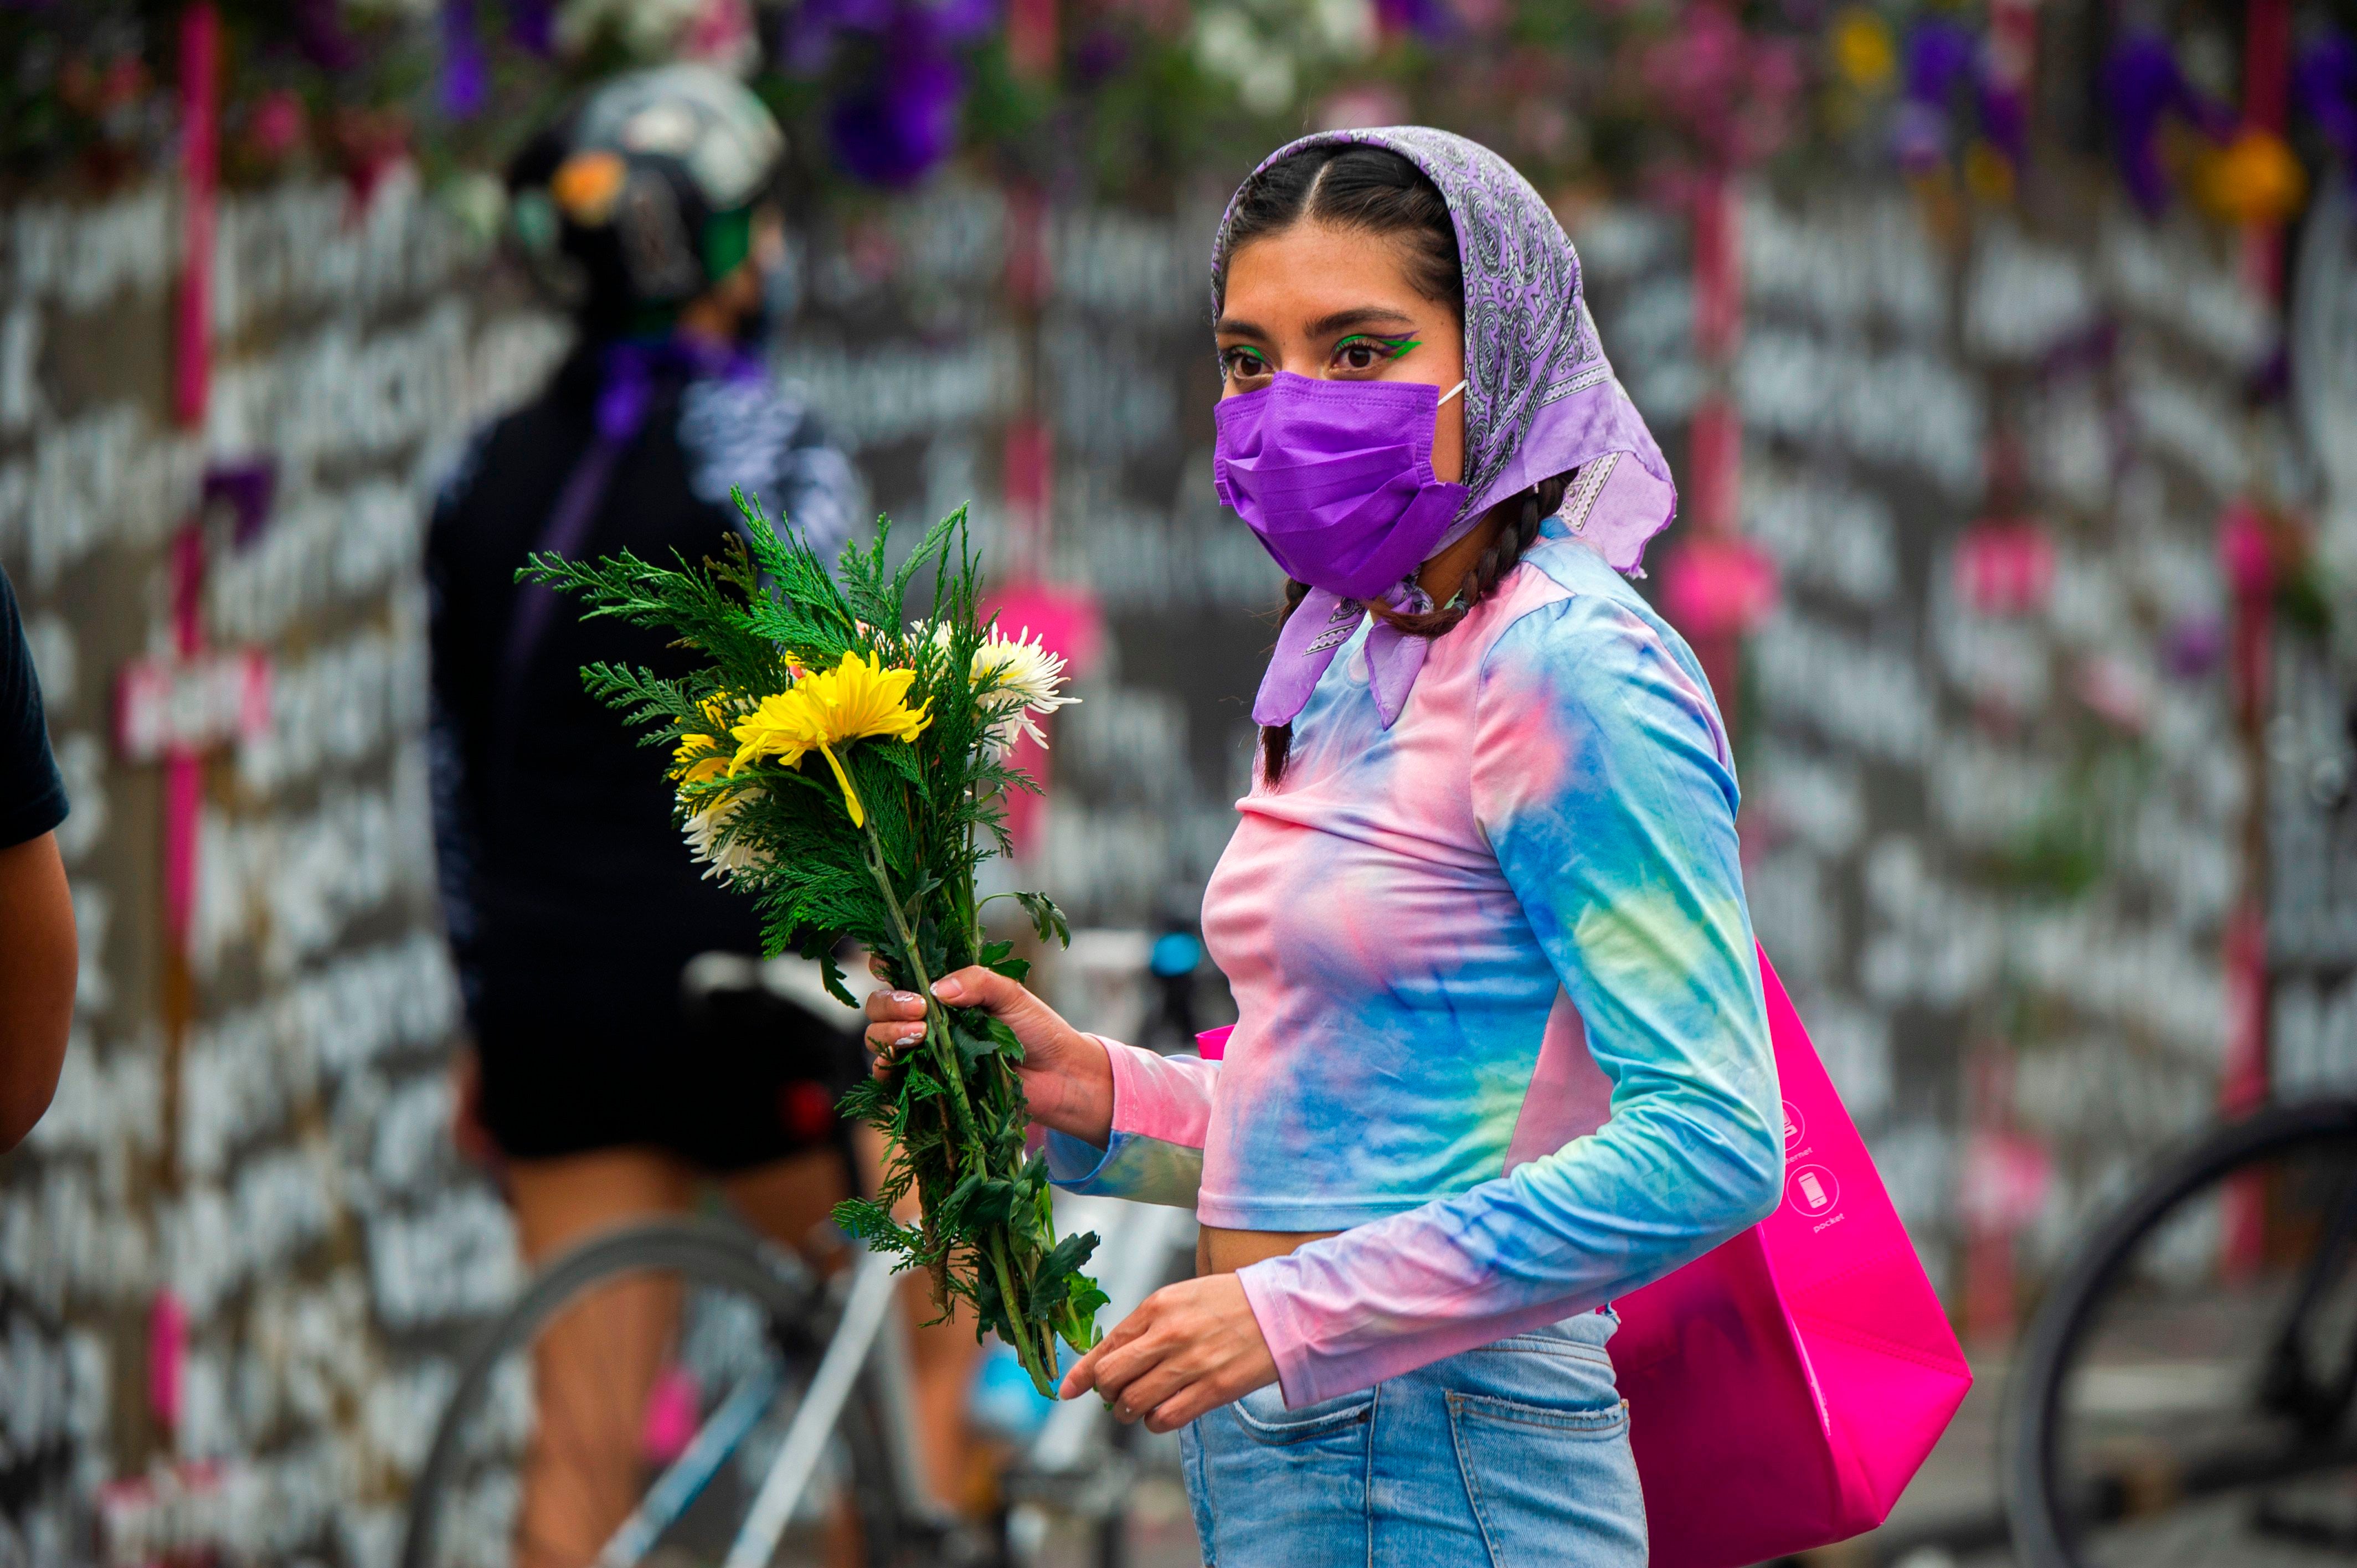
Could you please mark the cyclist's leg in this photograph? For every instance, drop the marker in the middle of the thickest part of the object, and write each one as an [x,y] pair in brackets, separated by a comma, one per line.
[789,1199]
[594,1369]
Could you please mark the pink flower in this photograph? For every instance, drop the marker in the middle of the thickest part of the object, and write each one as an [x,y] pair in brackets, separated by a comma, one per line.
[1730,90]
[2005,566]
[275,124]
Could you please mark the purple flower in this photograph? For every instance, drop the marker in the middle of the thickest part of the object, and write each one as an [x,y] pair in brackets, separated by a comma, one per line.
[2191,648]
[896,128]
[899,122]
[2325,81]
[2142,84]
[1918,137]
[2005,121]
[1939,54]
[533,25]
[1431,21]
[245,488]
[465,74]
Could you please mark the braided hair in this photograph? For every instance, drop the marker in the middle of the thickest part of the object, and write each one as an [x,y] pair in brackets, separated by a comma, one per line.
[1377,191]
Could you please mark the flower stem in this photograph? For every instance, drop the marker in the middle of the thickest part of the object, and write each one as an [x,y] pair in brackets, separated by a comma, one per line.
[944,1051]
[937,1022]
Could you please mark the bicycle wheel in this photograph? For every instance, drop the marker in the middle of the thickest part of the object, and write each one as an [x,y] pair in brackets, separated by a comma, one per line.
[2184,1393]
[648,1376]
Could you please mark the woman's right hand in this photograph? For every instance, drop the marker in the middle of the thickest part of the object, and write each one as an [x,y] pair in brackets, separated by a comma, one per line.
[1067,1076]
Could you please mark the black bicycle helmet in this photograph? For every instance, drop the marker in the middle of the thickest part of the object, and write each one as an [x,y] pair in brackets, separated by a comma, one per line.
[641,196]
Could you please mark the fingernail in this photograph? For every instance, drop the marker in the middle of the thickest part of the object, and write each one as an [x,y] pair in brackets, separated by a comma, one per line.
[908,999]
[910,1038]
[950,990]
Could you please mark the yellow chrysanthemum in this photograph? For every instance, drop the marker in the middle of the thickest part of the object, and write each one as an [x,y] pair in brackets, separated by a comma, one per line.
[857,700]
[699,757]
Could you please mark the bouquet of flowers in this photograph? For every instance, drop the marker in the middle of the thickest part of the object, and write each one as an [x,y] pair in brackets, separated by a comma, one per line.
[847,767]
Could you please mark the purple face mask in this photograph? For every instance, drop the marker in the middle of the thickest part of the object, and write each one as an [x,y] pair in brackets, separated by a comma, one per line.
[1335,477]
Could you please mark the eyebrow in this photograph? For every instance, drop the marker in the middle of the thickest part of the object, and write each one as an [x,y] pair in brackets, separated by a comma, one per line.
[1324,327]
[1364,315]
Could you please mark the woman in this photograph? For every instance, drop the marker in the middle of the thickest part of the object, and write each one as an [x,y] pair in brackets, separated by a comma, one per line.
[1502,1053]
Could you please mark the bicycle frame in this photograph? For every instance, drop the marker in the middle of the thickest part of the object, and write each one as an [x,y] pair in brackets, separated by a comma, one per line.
[866,1320]
[865,1315]
[869,1329]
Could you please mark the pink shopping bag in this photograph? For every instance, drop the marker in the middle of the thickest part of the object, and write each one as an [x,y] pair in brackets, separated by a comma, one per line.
[1783,1388]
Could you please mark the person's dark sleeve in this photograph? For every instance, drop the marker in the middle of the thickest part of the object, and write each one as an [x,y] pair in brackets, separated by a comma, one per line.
[821,489]
[759,436]
[454,692]
[32,796]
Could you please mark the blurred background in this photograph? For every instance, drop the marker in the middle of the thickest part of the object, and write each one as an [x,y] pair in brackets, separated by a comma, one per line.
[2005,351]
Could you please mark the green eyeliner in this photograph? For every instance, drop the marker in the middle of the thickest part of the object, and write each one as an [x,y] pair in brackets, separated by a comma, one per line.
[1394,346]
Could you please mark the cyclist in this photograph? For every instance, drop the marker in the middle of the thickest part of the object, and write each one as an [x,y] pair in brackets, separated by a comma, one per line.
[573,907]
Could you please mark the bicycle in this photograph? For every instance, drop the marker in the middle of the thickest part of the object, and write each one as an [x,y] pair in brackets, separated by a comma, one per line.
[2185,1393]
[779,1428]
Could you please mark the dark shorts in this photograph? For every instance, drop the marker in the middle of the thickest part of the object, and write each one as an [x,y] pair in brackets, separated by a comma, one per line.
[574,1061]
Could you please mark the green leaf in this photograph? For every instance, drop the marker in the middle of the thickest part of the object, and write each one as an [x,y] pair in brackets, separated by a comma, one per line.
[1076,1322]
[1058,1280]
[1046,918]
[978,1036]
[981,1201]
[1067,1256]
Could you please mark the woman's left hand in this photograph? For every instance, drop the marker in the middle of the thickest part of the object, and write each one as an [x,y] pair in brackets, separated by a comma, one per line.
[1188,1349]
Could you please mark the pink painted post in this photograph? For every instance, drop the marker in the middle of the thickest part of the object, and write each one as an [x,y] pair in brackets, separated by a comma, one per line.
[1716,570]
[199,177]
[183,767]
[168,1353]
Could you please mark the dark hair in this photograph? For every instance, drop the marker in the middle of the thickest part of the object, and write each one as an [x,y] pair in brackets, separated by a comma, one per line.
[1378,191]
[1350,186]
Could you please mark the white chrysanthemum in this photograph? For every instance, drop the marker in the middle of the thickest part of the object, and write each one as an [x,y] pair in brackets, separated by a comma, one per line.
[707,828]
[1026,680]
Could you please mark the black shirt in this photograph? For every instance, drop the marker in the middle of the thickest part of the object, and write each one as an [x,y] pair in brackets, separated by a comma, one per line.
[571,899]
[32,797]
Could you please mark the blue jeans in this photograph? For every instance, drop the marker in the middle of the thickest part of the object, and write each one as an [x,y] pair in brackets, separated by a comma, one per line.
[1515,1456]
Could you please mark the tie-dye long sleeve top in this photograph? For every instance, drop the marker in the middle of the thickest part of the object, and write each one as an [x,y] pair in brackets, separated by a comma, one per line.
[1500,1020]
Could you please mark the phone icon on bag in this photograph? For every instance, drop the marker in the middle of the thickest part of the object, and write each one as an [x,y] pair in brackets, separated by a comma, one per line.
[1812,1190]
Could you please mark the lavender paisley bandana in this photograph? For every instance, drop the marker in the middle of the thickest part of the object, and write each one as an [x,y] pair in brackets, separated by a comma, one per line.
[1542,399]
